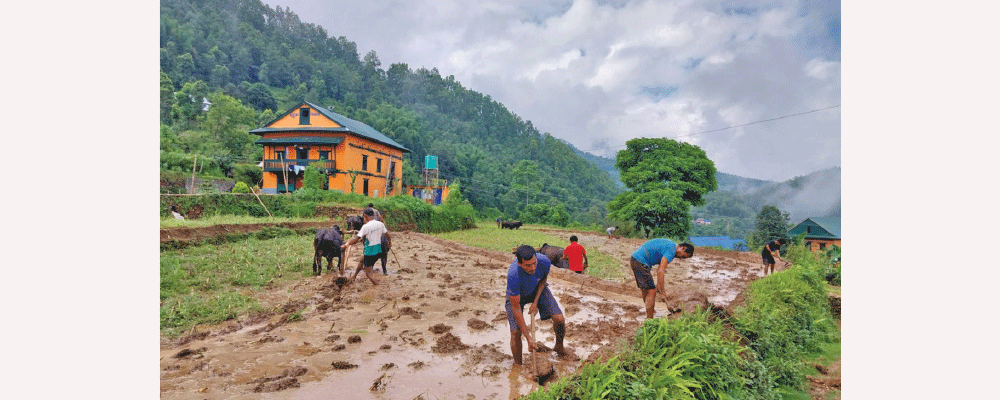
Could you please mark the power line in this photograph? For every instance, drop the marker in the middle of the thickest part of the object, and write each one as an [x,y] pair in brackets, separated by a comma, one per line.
[728,127]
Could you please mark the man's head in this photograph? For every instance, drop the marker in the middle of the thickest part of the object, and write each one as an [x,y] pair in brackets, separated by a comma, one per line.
[526,258]
[371,205]
[573,238]
[782,241]
[684,250]
[369,213]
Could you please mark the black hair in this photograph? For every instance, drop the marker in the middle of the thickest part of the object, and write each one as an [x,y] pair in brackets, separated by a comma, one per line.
[371,205]
[573,238]
[688,248]
[524,252]
[369,212]
[782,241]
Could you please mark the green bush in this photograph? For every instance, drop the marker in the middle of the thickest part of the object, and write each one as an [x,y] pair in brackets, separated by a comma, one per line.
[241,187]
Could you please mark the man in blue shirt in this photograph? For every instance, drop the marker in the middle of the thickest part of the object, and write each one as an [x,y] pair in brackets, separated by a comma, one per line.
[659,252]
[527,284]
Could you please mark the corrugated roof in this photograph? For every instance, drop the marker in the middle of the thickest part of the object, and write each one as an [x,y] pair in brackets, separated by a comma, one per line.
[300,139]
[349,126]
[829,224]
[357,127]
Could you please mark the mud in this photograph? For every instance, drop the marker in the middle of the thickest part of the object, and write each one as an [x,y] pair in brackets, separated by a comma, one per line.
[423,332]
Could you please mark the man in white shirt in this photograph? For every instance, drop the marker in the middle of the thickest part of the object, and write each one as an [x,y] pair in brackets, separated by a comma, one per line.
[371,232]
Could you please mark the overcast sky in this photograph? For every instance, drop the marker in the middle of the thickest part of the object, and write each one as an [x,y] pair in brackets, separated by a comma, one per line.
[597,73]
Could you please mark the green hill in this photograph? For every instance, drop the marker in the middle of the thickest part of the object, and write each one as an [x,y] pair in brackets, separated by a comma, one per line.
[268,60]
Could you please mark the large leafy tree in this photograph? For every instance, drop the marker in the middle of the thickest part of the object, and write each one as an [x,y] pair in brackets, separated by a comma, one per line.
[665,178]
[771,223]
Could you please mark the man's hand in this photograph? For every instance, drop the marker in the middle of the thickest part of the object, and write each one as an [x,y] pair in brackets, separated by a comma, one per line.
[533,309]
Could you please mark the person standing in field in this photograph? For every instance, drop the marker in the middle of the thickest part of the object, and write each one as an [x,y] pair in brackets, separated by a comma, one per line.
[372,232]
[771,251]
[386,239]
[658,252]
[576,255]
[527,283]
[611,231]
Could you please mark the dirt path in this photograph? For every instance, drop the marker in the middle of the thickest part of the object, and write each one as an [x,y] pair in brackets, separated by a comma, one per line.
[434,329]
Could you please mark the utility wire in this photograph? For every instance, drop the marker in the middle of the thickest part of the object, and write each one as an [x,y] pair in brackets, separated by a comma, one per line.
[728,127]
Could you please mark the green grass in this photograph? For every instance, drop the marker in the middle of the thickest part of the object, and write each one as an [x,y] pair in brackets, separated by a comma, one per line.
[171,222]
[486,235]
[209,284]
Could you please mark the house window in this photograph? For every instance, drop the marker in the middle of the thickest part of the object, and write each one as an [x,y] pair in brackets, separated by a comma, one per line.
[302,153]
[324,155]
[822,246]
[365,187]
[378,165]
[279,155]
[364,167]
[303,116]
[809,229]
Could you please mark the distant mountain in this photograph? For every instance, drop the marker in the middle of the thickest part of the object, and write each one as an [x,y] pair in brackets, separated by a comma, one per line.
[604,163]
[813,195]
[739,184]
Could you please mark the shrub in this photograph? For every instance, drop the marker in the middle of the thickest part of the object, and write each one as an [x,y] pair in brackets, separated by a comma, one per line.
[241,187]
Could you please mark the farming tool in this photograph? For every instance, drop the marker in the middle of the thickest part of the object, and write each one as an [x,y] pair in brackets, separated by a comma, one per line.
[545,371]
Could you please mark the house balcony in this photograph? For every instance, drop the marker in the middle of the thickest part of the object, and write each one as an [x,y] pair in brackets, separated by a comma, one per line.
[279,165]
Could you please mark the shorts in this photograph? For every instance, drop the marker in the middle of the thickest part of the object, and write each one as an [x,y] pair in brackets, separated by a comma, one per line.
[767,258]
[643,275]
[370,260]
[547,307]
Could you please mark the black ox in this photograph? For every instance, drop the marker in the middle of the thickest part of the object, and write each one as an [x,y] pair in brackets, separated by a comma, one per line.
[327,245]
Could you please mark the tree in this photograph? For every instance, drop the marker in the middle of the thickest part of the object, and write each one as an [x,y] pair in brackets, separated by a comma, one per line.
[190,103]
[771,224]
[167,99]
[665,178]
[228,122]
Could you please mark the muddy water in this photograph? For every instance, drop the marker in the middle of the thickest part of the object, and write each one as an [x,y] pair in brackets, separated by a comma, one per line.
[393,338]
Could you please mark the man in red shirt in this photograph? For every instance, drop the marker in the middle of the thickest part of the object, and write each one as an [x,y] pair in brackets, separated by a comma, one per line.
[576,255]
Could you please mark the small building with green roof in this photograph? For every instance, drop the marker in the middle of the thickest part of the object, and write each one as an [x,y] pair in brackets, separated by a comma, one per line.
[821,232]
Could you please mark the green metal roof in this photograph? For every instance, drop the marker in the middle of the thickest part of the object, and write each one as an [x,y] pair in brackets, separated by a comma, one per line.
[300,140]
[349,125]
[828,228]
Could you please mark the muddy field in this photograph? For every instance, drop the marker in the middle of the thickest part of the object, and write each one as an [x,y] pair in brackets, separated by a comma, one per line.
[433,329]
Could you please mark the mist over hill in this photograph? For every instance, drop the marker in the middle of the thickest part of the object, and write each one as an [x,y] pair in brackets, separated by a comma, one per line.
[738,199]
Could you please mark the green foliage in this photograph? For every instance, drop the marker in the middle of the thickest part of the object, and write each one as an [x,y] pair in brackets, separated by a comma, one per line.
[785,320]
[203,284]
[665,178]
[545,214]
[771,224]
[312,178]
[241,187]
[787,316]
[273,60]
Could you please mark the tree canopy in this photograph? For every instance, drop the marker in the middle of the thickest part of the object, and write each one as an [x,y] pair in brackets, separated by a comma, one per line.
[268,60]
[665,178]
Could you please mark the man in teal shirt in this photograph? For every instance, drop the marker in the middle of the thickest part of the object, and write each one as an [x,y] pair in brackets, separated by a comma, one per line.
[659,252]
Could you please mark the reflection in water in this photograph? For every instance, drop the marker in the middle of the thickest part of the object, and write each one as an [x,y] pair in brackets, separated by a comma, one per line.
[515,381]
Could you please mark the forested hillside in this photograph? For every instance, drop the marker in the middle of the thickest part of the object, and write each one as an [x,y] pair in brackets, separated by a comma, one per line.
[251,61]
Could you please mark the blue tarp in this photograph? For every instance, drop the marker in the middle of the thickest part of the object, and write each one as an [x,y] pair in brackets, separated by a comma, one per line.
[722,241]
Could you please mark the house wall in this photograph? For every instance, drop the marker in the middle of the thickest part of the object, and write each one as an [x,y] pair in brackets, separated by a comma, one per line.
[814,244]
[315,120]
[350,157]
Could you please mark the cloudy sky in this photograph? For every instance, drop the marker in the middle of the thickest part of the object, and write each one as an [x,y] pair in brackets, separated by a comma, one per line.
[597,73]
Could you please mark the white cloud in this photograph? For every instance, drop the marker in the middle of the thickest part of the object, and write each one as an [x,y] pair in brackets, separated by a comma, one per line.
[599,73]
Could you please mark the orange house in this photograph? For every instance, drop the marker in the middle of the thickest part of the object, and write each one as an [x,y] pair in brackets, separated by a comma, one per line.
[354,157]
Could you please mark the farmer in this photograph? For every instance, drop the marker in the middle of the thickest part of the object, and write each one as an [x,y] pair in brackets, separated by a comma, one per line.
[658,252]
[576,256]
[386,240]
[611,231]
[526,284]
[770,252]
[498,222]
[372,232]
